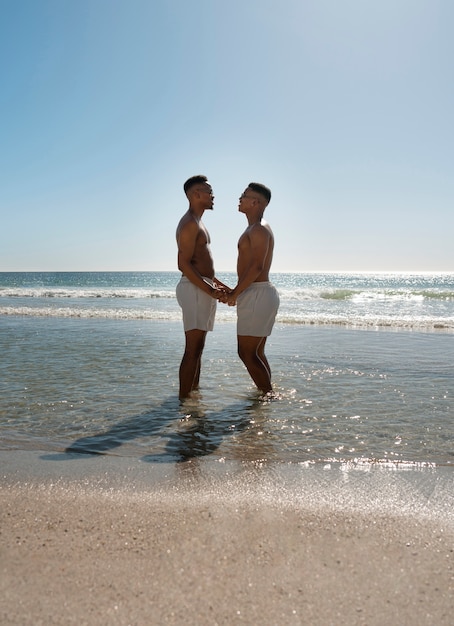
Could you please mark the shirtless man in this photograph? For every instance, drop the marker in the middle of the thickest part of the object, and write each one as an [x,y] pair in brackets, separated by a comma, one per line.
[256,298]
[198,289]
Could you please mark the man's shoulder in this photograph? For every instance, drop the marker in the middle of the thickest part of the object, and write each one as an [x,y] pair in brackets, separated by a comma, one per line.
[187,221]
[261,228]
[184,218]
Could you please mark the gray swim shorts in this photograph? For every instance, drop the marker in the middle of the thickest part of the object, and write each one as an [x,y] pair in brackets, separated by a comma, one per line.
[256,309]
[198,307]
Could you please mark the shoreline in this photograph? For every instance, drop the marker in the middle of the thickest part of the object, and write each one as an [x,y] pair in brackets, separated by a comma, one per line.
[112,540]
[378,324]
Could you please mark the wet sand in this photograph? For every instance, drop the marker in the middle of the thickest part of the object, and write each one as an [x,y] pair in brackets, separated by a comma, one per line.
[107,541]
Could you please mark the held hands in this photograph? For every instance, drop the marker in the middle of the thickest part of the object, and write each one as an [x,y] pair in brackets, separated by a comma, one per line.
[224,294]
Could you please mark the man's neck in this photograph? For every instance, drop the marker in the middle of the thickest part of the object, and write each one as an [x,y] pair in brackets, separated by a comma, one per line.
[196,213]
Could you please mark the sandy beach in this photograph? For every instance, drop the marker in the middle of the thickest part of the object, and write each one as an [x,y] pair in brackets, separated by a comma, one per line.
[106,548]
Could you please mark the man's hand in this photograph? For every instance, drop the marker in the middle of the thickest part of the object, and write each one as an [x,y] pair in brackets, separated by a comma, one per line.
[231,299]
[227,297]
[222,293]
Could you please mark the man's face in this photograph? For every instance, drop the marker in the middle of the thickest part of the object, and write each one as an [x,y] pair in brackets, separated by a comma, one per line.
[245,200]
[206,196]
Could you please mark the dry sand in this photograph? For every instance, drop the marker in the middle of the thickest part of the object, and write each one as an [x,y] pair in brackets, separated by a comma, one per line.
[80,552]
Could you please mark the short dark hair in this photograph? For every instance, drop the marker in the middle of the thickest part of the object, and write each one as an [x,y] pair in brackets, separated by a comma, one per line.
[262,190]
[194,180]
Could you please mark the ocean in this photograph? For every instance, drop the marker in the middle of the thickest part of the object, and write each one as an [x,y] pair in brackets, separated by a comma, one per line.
[362,368]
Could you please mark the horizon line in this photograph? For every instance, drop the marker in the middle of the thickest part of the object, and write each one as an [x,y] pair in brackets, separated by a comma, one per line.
[224,271]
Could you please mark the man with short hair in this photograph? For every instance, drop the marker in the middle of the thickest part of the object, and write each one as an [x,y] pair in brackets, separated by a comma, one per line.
[256,297]
[198,289]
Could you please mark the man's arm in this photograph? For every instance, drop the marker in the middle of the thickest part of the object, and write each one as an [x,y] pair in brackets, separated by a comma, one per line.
[259,240]
[221,285]
[187,241]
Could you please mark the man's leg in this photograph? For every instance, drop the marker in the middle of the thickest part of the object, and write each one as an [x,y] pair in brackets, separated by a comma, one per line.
[190,363]
[262,357]
[251,352]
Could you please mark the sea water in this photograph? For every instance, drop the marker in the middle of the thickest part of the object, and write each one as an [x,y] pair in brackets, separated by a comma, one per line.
[362,370]
[364,300]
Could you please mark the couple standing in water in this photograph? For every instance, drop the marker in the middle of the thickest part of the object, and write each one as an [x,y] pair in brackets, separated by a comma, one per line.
[199,290]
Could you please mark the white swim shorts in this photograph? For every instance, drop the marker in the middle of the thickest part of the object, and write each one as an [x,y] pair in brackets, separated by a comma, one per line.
[198,307]
[256,309]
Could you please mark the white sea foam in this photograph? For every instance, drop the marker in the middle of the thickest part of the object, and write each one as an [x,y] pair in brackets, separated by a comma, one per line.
[83,293]
[383,301]
[225,314]
[86,313]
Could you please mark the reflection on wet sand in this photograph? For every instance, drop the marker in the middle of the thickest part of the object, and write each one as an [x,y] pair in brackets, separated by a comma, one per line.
[183,433]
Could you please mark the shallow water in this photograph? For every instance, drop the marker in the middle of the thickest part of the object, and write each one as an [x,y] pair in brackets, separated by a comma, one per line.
[361,397]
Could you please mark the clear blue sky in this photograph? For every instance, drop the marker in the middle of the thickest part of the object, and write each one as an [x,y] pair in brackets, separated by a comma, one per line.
[344,109]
